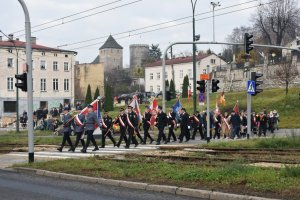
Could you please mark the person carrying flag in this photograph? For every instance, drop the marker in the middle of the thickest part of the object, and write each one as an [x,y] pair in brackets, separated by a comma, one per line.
[132,121]
[91,120]
[172,124]
[122,121]
[67,118]
[78,126]
[146,125]
[107,129]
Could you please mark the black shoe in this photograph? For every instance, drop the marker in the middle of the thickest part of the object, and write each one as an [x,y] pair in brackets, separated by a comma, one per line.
[126,147]
[96,149]
[157,143]
[102,147]
[180,141]
[115,145]
[83,151]
[166,142]
[136,145]
[193,138]
[59,149]
[71,149]
[118,145]
[175,140]
[151,141]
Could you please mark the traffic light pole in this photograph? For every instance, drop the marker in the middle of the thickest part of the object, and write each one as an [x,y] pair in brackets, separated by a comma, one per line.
[207,108]
[249,103]
[29,82]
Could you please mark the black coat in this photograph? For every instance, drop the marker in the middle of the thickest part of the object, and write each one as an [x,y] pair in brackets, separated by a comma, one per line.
[185,120]
[161,120]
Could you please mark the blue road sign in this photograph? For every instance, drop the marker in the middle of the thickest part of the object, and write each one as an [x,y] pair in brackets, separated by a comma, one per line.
[201,97]
[251,87]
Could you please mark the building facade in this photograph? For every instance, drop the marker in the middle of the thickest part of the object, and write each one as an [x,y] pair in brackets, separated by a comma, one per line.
[52,71]
[177,69]
[138,54]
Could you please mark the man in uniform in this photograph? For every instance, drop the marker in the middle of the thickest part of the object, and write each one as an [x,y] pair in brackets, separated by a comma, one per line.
[67,120]
[172,124]
[132,121]
[184,126]
[161,122]
[194,121]
[146,125]
[122,121]
[107,129]
[78,125]
[91,120]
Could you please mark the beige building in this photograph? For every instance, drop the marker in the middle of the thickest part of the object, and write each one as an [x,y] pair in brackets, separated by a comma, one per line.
[177,69]
[53,76]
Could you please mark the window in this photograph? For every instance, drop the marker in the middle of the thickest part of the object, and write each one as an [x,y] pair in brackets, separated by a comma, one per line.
[158,88]
[43,65]
[151,88]
[190,73]
[43,85]
[181,74]
[9,62]
[66,66]
[43,53]
[66,56]
[55,54]
[66,84]
[55,66]
[151,76]
[9,106]
[55,84]
[212,61]
[157,75]
[204,71]
[10,83]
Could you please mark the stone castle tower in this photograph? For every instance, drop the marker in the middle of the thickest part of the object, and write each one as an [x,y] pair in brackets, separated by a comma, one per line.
[138,53]
[111,55]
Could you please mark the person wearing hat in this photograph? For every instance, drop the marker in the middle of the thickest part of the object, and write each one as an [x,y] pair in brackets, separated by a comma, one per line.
[67,119]
[161,122]
[107,129]
[263,120]
[122,121]
[146,125]
[132,122]
[90,120]
[78,126]
[172,124]
[184,126]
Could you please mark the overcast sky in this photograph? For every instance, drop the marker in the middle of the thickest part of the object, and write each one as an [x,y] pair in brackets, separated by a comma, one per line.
[140,13]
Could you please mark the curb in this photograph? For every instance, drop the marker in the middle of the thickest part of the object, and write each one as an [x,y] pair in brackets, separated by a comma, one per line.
[205,194]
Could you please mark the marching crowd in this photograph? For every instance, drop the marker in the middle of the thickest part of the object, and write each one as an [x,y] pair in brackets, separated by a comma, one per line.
[231,126]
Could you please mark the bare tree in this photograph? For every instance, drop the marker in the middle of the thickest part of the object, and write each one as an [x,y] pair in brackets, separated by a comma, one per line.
[285,73]
[276,21]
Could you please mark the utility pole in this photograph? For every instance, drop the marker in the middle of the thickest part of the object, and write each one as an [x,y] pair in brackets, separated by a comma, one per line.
[194,58]
[214,4]
[207,107]
[29,82]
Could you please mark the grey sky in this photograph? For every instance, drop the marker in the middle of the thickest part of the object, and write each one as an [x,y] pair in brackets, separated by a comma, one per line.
[137,15]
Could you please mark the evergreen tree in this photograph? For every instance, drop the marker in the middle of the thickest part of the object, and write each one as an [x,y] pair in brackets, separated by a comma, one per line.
[88,97]
[185,87]
[97,93]
[108,101]
[167,84]
[172,89]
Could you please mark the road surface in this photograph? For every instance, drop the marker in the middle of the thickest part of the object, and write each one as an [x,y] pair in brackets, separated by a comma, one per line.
[16,186]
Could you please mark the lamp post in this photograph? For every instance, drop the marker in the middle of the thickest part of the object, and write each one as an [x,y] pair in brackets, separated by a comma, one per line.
[194,56]
[214,4]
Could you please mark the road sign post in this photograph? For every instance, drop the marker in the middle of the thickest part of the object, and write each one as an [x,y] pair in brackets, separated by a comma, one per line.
[250,90]
[207,107]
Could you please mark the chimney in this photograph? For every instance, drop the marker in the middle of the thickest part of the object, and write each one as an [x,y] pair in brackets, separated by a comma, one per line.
[33,40]
[0,38]
[11,36]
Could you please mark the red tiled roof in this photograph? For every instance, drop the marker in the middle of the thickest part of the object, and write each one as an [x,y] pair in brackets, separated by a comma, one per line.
[178,60]
[22,44]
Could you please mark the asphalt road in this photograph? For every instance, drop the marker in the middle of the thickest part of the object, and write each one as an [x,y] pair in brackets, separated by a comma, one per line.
[22,186]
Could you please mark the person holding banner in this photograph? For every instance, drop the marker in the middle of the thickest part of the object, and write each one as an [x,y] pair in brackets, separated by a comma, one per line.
[78,125]
[66,131]
[122,121]
[91,120]
[107,129]
[146,125]
[172,124]
[132,121]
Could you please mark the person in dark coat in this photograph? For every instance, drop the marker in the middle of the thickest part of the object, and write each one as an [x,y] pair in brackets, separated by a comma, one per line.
[78,125]
[132,121]
[107,129]
[195,123]
[122,121]
[67,120]
[184,125]
[263,120]
[172,124]
[217,121]
[235,121]
[161,122]
[146,125]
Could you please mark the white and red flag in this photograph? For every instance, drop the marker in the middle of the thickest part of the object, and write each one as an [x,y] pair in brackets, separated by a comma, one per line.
[135,106]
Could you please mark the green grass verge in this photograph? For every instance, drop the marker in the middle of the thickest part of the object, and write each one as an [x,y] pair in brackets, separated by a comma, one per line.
[231,177]
[270,143]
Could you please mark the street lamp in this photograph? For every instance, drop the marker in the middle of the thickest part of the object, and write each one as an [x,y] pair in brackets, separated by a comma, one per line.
[194,55]
[214,4]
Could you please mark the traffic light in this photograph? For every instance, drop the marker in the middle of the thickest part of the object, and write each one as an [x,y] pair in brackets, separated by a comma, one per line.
[23,84]
[248,43]
[201,86]
[214,86]
[254,77]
